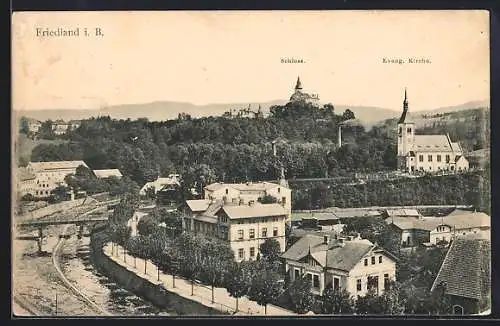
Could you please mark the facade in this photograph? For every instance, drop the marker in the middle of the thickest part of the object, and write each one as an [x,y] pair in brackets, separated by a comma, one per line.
[160,183]
[33,125]
[417,231]
[351,264]
[465,275]
[300,96]
[426,153]
[245,193]
[103,174]
[60,127]
[245,227]
[50,175]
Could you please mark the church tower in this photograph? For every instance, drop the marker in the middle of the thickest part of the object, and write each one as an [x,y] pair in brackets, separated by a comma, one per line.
[406,136]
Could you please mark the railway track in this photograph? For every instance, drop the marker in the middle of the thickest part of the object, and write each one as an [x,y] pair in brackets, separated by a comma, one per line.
[67,283]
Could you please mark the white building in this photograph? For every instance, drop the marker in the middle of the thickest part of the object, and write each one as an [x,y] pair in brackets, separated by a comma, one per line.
[426,153]
[26,182]
[244,193]
[160,183]
[245,227]
[351,264]
[50,175]
[106,173]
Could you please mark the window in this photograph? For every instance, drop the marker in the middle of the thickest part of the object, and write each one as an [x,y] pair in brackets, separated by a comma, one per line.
[386,281]
[358,285]
[264,232]
[241,253]
[240,235]
[380,259]
[452,168]
[252,252]
[447,158]
[408,130]
[279,190]
[400,130]
[438,158]
[227,191]
[420,158]
[366,262]
[283,200]
[275,231]
[252,233]
[297,274]
[429,158]
[336,283]
[373,260]
[316,282]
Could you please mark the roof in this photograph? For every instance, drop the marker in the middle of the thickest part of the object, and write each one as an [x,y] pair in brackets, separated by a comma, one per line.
[402,212]
[463,221]
[249,186]
[198,205]
[408,223]
[106,173]
[56,165]
[254,210]
[23,174]
[466,268]
[320,216]
[343,257]
[160,183]
[456,147]
[458,211]
[432,143]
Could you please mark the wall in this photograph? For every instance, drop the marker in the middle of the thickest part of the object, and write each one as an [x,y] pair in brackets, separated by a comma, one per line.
[156,295]
[51,209]
[378,269]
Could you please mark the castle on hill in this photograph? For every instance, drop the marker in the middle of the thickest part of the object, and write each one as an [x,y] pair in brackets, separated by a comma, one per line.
[300,96]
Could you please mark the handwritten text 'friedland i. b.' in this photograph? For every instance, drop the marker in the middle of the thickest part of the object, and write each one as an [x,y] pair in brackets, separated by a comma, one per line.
[410,60]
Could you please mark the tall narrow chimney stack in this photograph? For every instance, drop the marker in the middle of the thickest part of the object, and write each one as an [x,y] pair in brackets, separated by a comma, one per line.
[340,137]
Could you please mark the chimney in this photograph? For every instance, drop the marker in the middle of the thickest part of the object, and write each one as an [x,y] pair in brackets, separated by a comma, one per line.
[340,137]
[326,239]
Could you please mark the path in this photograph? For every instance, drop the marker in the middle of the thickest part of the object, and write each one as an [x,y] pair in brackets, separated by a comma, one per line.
[202,294]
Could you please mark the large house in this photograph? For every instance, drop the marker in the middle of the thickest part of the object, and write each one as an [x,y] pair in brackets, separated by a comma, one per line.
[244,226]
[50,175]
[245,193]
[351,264]
[416,231]
[465,275]
[426,153]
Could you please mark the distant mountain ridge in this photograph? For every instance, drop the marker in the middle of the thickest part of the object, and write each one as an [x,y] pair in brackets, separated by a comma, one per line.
[165,110]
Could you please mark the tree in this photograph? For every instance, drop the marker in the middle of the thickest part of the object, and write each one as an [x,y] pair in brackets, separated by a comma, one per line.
[439,302]
[336,301]
[348,115]
[368,304]
[60,193]
[270,250]
[267,199]
[301,296]
[236,282]
[266,287]
[151,193]
[146,225]
[391,300]
[217,254]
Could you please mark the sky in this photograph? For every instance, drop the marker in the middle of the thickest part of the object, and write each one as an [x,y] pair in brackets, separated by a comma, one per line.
[227,57]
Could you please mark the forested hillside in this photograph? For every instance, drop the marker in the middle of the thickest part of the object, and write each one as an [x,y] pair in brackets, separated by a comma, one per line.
[228,148]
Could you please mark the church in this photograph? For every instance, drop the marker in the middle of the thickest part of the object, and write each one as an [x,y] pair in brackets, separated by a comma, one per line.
[300,96]
[426,153]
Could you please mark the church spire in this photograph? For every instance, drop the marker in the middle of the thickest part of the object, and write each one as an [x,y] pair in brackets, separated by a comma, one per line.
[405,102]
[299,84]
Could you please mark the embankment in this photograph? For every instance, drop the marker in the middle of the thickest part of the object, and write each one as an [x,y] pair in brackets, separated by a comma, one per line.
[156,295]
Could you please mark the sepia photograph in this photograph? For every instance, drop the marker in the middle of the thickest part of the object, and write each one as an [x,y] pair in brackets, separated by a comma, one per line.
[251,163]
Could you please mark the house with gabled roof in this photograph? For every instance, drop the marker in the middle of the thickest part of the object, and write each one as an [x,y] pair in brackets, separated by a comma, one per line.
[465,275]
[351,263]
[244,226]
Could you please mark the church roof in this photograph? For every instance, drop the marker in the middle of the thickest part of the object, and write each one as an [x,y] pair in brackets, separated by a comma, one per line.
[299,84]
[432,143]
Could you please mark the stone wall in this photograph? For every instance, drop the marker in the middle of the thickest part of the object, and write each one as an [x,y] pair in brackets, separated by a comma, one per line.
[51,209]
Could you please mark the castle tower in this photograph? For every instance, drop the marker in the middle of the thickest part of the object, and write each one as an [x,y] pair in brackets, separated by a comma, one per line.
[406,136]
[298,86]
